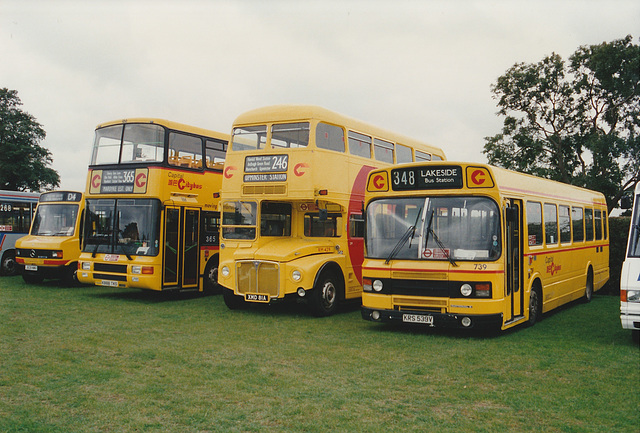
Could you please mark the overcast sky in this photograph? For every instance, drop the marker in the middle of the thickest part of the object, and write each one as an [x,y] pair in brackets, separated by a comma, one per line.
[420,68]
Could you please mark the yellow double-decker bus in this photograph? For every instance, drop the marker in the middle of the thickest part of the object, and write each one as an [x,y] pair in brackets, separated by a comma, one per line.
[471,245]
[152,219]
[52,247]
[293,194]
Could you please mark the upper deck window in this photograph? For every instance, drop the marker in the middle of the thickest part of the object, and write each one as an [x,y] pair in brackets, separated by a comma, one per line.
[290,135]
[359,144]
[128,143]
[215,153]
[185,150]
[422,156]
[383,150]
[403,154]
[329,137]
[249,137]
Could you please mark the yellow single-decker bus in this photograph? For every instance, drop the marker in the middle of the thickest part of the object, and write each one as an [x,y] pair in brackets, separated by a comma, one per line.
[470,245]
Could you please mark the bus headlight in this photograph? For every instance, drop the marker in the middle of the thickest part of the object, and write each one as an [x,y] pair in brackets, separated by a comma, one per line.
[86,266]
[466,289]
[136,269]
[377,285]
[296,275]
[630,295]
[225,271]
[56,254]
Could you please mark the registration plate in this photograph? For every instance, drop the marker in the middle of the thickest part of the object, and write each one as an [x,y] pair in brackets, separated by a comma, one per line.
[109,283]
[418,318]
[256,297]
[30,267]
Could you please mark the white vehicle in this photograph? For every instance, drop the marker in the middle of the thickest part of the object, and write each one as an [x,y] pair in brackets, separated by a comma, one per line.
[630,278]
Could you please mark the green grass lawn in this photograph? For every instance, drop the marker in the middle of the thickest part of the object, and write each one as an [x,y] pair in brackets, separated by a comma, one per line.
[90,359]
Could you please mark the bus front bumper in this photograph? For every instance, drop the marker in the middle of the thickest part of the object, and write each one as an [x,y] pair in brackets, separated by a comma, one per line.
[436,320]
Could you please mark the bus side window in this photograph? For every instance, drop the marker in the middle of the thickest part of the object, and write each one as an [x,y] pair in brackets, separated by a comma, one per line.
[564,219]
[383,150]
[185,150]
[421,156]
[329,137]
[403,154]
[550,224]
[356,225]
[588,220]
[577,220]
[598,223]
[534,223]
[359,144]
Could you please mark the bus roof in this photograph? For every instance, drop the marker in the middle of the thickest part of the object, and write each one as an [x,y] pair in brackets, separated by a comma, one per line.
[508,182]
[169,124]
[19,195]
[292,112]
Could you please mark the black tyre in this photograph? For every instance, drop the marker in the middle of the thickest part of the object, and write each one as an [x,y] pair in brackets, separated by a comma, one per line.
[324,297]
[232,301]
[535,306]
[9,265]
[71,275]
[588,290]
[210,279]
[32,277]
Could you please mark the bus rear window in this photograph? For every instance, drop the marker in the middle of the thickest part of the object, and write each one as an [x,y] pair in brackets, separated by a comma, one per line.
[290,135]
[249,138]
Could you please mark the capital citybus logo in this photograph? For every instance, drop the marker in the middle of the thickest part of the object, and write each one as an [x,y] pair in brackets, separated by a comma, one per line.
[228,171]
[378,182]
[479,177]
[299,169]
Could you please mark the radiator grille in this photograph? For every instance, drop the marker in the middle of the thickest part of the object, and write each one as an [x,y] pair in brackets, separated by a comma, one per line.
[108,267]
[258,277]
[412,275]
[421,304]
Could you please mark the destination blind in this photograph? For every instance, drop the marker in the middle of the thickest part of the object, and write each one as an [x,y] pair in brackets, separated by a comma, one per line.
[426,177]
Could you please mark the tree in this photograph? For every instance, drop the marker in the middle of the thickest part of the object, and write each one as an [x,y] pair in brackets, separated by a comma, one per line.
[577,123]
[23,162]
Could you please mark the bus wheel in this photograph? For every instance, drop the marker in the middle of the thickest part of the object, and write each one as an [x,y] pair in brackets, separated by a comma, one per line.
[588,290]
[535,306]
[32,277]
[71,274]
[324,296]
[9,266]
[211,277]
[233,301]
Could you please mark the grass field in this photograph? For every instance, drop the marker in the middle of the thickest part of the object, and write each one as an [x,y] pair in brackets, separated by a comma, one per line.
[90,359]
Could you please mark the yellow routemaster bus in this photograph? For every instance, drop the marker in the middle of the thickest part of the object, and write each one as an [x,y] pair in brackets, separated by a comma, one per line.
[152,218]
[471,245]
[52,247]
[292,200]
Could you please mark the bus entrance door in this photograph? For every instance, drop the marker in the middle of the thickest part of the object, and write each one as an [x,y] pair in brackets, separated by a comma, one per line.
[181,234]
[514,295]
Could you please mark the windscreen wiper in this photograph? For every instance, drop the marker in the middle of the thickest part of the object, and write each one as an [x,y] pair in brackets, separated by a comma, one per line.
[408,234]
[440,244]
